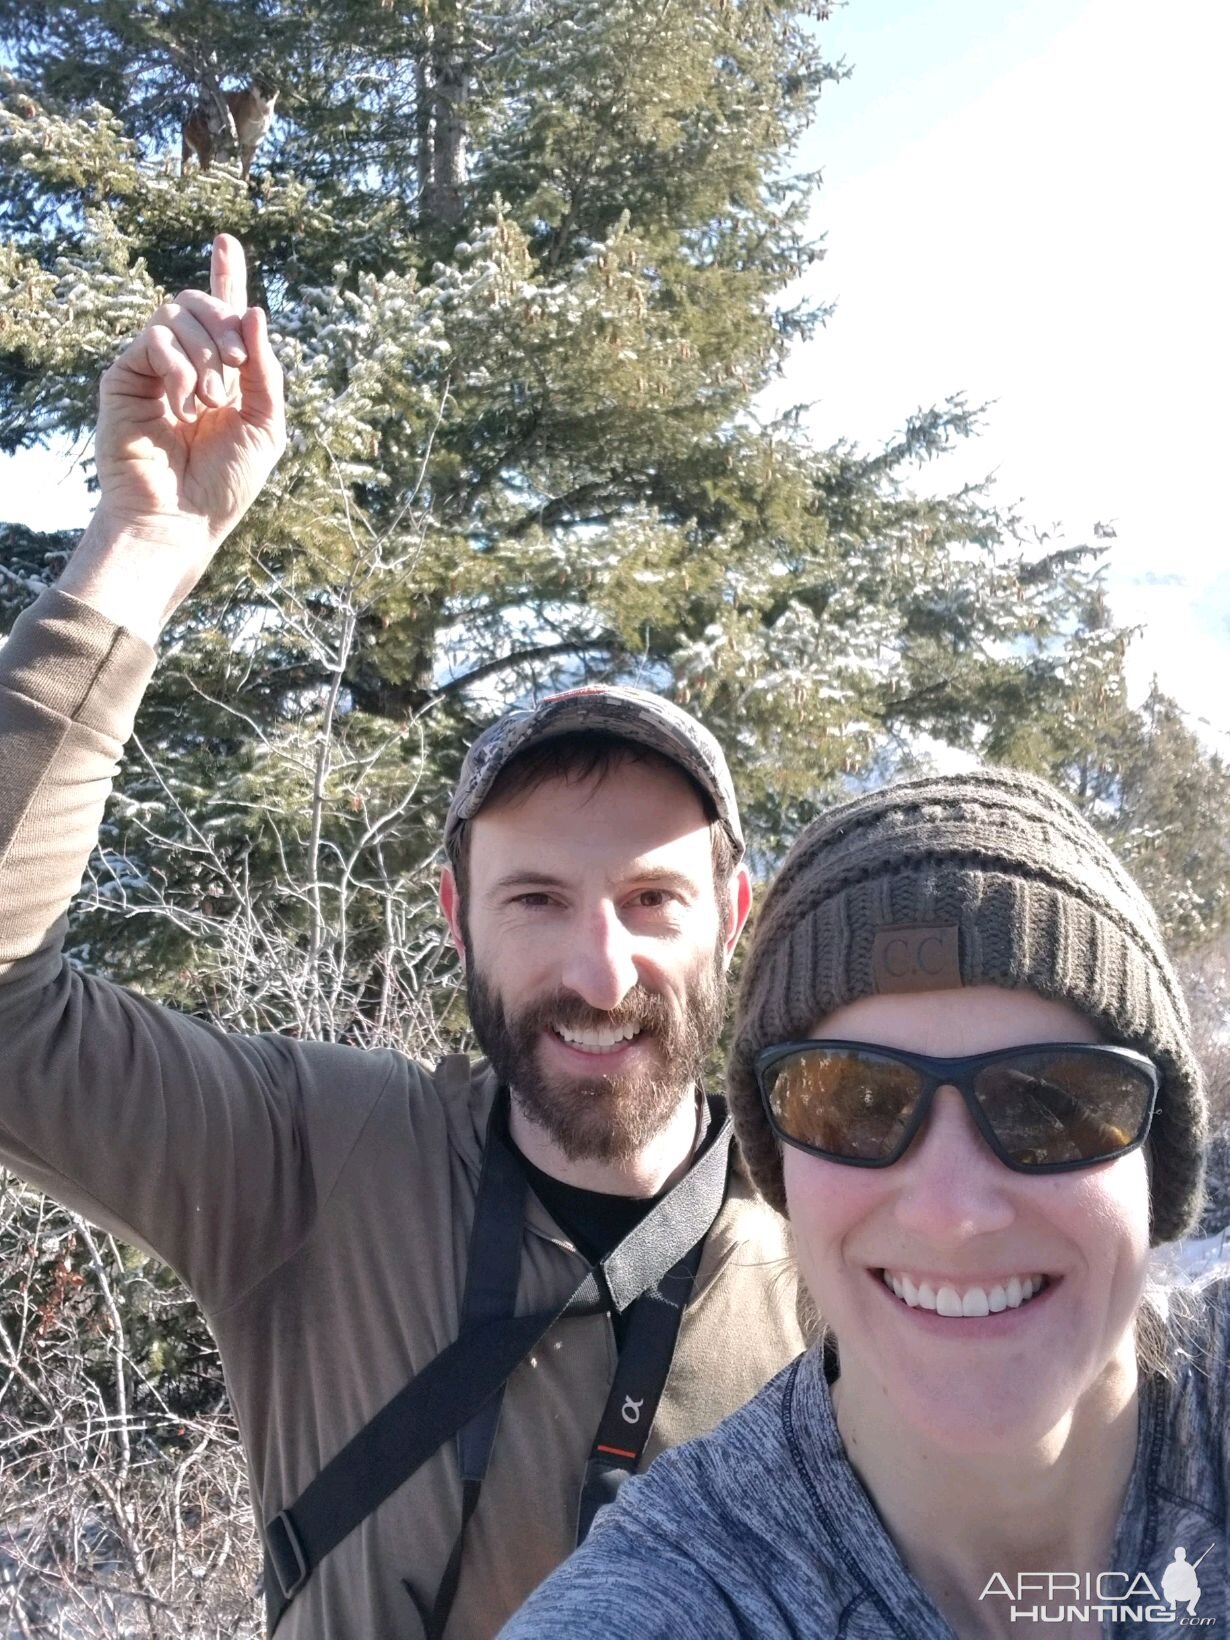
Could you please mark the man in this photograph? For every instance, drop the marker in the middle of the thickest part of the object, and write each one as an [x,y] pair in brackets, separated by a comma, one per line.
[385,1254]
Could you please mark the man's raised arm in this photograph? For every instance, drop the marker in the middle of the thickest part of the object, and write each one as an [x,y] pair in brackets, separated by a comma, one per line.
[156,1126]
[190,425]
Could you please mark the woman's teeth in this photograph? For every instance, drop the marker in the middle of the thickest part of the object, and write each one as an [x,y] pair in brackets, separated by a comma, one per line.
[963,1301]
[600,1040]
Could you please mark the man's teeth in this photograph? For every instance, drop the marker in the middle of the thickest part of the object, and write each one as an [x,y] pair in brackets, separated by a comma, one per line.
[945,1300]
[599,1040]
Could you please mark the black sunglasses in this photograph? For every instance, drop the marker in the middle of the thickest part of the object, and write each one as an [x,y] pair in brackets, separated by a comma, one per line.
[1042,1109]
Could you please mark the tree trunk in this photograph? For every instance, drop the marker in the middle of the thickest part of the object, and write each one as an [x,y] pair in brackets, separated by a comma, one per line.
[442,79]
[422,126]
[449,130]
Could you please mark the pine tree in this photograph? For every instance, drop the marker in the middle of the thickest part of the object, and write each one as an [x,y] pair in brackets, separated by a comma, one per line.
[1205,972]
[1144,775]
[529,269]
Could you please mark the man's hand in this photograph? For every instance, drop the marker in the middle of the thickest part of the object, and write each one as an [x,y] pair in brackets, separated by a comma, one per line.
[190,426]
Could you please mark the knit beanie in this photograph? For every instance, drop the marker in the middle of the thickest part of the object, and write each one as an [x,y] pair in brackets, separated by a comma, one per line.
[985,878]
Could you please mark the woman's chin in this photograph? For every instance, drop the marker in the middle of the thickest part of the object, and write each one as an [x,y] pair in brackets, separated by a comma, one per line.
[973,1414]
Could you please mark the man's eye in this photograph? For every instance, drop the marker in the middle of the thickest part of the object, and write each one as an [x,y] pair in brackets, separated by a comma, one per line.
[534,899]
[653,899]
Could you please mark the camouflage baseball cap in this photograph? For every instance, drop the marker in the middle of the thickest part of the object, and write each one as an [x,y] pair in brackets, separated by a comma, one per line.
[632,714]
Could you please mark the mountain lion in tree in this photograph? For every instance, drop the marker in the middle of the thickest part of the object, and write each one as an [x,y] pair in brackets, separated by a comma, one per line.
[207,135]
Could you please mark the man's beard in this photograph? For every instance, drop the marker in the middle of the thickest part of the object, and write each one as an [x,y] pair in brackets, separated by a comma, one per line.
[601,1118]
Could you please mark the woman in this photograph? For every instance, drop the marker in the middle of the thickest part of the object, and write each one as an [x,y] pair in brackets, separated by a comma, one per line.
[962,1066]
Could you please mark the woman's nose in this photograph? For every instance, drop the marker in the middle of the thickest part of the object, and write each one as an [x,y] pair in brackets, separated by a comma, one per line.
[950,1184]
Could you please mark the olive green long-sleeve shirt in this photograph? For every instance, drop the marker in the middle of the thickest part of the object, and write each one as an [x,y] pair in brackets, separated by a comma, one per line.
[317,1199]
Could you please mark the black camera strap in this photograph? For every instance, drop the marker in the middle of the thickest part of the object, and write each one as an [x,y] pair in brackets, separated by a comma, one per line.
[460,1392]
[640,1377]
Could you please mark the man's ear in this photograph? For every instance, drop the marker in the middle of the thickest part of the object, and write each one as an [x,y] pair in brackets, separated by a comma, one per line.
[737,907]
[450,905]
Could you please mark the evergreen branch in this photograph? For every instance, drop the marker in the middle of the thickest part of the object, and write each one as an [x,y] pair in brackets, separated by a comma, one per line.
[564,508]
[901,705]
[540,652]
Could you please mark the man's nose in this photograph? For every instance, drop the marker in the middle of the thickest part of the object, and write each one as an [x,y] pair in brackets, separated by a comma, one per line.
[599,963]
[951,1185]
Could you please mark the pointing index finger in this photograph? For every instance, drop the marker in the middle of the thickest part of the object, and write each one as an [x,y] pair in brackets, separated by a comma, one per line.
[228,272]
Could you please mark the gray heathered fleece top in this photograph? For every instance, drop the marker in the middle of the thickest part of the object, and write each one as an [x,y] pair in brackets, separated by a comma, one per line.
[762,1529]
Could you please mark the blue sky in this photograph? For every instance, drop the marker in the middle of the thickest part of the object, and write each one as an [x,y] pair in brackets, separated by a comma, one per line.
[1024,203]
